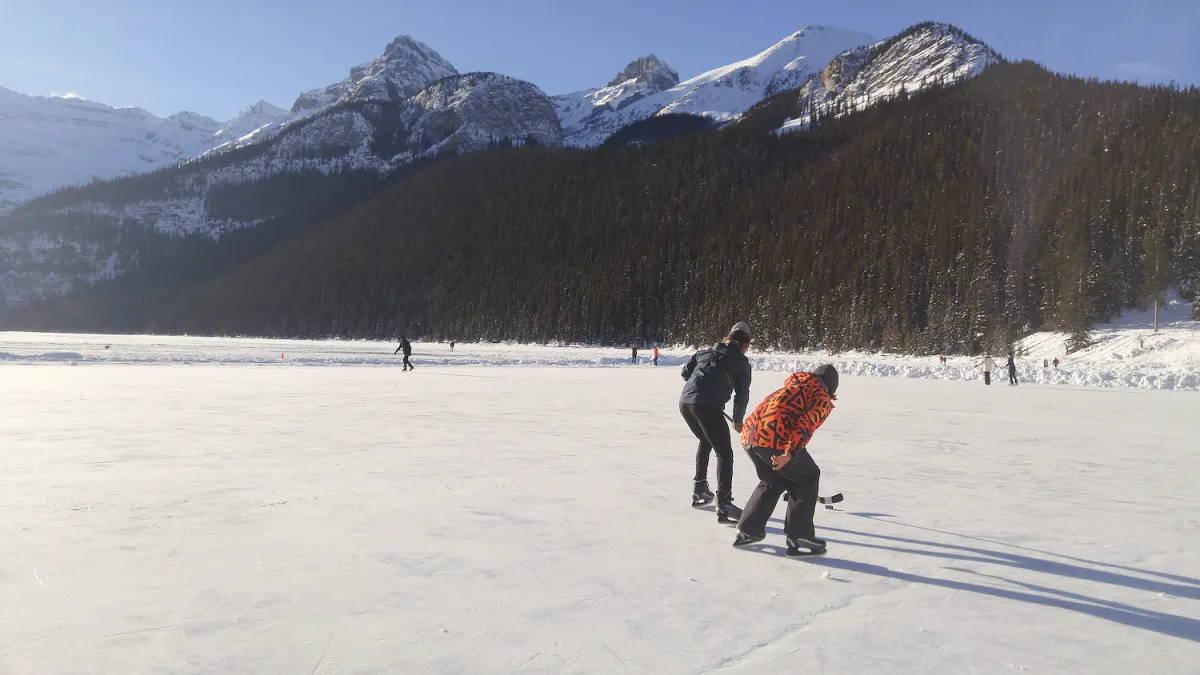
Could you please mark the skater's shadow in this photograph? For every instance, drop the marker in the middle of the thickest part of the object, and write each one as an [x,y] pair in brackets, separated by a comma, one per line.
[1129,615]
[1095,563]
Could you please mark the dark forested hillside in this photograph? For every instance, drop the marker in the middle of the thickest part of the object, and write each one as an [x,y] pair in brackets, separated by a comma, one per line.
[951,221]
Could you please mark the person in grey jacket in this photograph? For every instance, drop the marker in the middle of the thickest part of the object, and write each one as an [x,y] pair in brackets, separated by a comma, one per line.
[711,377]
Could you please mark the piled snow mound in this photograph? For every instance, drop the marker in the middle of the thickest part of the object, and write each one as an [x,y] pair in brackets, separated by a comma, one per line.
[1123,357]
[1127,352]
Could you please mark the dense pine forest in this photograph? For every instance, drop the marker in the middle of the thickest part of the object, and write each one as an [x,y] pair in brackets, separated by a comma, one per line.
[950,221]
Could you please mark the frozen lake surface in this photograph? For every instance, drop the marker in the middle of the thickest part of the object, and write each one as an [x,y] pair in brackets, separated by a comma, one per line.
[250,519]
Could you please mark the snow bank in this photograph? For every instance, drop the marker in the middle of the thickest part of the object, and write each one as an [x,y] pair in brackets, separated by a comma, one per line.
[1122,357]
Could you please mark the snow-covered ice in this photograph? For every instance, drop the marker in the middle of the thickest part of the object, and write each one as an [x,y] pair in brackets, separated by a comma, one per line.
[236,517]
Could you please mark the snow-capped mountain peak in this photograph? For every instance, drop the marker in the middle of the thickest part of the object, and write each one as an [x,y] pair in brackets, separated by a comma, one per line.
[925,55]
[406,67]
[251,119]
[648,71]
[588,117]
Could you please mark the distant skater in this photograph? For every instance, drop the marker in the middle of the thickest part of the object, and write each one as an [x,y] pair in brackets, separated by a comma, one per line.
[656,355]
[988,366]
[407,347]
[1055,362]
[452,345]
[634,348]
[713,376]
[1045,363]
[1012,371]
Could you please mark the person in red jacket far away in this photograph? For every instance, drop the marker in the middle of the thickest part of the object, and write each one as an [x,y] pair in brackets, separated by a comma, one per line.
[1056,362]
[656,355]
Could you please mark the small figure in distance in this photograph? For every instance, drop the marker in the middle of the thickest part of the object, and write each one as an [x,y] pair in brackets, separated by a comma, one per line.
[988,365]
[407,347]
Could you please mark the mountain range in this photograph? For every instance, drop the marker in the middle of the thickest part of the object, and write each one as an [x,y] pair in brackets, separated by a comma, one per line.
[406,105]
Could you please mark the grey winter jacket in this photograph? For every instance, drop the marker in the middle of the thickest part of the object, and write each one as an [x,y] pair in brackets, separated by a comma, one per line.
[715,374]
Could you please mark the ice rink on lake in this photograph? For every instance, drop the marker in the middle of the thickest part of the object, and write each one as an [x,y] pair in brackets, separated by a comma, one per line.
[251,519]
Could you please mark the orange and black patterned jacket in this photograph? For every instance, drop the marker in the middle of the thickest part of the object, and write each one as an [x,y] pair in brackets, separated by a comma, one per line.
[787,419]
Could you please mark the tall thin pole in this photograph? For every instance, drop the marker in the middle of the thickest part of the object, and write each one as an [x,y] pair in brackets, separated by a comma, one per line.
[1157,246]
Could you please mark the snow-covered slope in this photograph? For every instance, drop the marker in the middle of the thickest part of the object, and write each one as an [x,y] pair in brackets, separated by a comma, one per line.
[923,56]
[460,113]
[253,119]
[641,78]
[50,142]
[723,93]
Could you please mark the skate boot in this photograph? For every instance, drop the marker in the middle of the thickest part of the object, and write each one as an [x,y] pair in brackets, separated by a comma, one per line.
[726,511]
[744,539]
[701,495]
[802,546]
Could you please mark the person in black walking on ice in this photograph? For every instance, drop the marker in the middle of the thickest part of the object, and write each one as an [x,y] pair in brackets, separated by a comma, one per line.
[407,347]
[776,437]
[711,377]
[633,346]
[1012,371]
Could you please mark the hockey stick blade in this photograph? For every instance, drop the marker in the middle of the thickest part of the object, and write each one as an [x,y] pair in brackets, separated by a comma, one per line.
[831,500]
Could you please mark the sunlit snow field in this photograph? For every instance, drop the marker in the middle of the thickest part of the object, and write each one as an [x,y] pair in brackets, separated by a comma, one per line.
[173,505]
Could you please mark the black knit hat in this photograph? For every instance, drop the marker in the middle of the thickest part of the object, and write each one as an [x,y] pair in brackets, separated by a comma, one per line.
[828,376]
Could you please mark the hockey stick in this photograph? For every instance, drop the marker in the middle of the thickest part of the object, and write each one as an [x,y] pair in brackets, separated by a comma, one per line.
[836,499]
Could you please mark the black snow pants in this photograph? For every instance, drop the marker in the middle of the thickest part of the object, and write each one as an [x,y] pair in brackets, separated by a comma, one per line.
[708,425]
[800,478]
[1012,376]
[987,377]
[407,365]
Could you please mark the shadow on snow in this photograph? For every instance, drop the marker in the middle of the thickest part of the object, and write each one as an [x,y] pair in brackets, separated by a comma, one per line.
[1129,615]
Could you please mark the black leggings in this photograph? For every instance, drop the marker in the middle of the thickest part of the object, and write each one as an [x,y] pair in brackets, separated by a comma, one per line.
[708,425]
[800,478]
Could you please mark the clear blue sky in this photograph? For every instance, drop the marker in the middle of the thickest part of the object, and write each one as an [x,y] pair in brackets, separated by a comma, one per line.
[216,56]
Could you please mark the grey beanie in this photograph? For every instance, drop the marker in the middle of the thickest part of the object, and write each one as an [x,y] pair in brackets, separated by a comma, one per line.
[740,327]
[829,377]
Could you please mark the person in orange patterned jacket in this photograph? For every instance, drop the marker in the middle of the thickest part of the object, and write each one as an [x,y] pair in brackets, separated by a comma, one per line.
[776,437]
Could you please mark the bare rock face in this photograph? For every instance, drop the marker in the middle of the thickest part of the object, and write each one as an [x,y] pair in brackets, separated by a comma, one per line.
[406,67]
[925,55]
[647,72]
